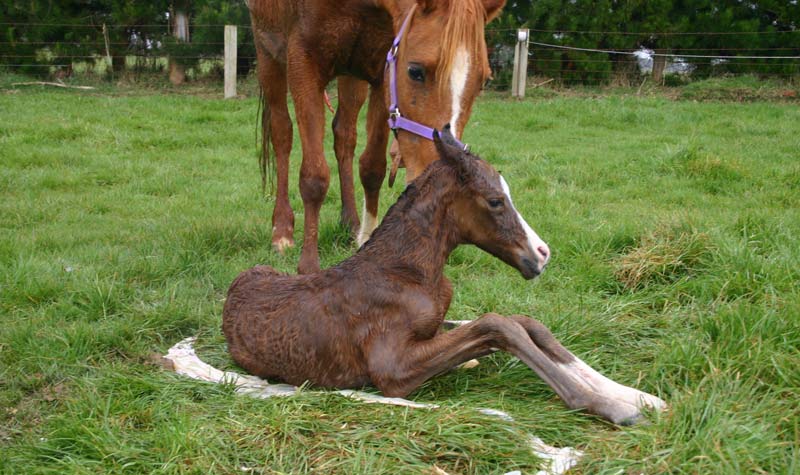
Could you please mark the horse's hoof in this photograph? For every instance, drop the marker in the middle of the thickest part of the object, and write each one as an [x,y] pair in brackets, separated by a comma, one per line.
[282,244]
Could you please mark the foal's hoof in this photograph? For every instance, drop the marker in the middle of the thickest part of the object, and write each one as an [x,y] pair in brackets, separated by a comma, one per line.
[628,409]
[282,244]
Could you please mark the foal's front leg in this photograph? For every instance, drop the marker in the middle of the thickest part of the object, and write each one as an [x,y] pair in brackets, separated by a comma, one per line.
[399,367]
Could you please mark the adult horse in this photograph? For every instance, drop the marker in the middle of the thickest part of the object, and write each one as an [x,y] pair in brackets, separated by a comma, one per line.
[375,318]
[439,65]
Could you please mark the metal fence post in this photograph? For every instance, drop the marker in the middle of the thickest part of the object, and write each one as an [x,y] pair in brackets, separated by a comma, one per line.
[230,61]
[520,76]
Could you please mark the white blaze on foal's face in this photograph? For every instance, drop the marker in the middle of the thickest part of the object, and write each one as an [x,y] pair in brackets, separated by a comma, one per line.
[538,246]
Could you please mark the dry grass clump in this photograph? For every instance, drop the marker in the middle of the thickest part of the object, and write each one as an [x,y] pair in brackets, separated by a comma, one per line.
[662,257]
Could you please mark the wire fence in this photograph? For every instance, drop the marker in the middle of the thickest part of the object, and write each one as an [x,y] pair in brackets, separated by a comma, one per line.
[563,56]
[575,57]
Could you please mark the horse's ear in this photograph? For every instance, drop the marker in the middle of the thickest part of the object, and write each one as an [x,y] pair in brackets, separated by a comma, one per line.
[493,8]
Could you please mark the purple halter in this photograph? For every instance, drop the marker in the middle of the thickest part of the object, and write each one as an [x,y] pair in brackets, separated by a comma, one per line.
[396,120]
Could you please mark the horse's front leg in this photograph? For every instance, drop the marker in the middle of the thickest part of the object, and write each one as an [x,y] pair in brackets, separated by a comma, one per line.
[307,87]
[352,94]
[398,367]
[372,163]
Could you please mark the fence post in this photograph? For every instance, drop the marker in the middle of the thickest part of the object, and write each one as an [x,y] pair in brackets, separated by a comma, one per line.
[520,76]
[230,61]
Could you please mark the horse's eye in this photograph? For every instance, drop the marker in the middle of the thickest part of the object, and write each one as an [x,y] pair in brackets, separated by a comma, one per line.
[496,203]
[416,73]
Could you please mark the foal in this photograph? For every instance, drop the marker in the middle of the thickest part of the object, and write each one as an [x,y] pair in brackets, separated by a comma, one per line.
[376,317]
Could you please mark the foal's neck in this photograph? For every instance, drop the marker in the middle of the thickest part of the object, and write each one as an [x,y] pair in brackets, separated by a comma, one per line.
[418,233]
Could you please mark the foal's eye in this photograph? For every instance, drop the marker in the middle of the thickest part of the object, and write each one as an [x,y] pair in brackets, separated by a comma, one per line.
[496,203]
[416,72]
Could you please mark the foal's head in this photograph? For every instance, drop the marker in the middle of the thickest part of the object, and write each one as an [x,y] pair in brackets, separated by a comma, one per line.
[485,215]
[442,65]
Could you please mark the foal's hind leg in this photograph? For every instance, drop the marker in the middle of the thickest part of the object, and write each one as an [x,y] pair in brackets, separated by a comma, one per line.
[372,163]
[352,94]
[397,367]
[277,126]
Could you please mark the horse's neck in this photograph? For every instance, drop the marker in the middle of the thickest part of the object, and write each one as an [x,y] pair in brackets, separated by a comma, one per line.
[417,234]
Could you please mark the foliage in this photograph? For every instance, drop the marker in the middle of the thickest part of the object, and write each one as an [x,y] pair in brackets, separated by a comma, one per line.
[45,34]
[729,28]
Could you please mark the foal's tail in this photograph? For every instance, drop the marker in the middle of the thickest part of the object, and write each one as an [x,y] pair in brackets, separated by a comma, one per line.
[265,164]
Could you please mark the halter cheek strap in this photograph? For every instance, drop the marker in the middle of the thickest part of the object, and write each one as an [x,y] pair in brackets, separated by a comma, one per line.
[396,120]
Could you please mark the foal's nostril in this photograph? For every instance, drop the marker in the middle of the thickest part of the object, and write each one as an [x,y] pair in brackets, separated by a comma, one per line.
[544,251]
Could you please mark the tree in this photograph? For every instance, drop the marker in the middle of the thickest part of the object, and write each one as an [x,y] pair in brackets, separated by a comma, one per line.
[68,28]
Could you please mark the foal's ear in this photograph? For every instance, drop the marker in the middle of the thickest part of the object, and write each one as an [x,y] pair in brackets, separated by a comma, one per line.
[443,141]
[449,152]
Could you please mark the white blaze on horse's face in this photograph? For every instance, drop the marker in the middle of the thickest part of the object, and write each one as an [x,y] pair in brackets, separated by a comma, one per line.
[458,80]
[538,246]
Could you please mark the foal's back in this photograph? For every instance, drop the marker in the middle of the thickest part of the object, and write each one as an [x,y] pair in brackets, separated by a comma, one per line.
[296,328]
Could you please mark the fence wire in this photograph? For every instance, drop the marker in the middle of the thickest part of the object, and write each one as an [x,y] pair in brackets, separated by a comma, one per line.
[565,56]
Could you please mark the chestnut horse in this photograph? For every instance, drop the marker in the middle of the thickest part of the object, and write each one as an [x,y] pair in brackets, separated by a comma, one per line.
[375,318]
[441,64]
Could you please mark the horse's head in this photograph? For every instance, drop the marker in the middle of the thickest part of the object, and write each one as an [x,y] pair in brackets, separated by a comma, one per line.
[442,64]
[484,213]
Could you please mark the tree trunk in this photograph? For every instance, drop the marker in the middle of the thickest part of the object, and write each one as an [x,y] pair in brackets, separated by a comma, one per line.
[180,30]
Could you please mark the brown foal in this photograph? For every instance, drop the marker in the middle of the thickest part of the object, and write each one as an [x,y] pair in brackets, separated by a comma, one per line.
[302,45]
[375,319]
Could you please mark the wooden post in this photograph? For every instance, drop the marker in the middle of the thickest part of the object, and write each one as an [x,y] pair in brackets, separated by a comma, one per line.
[520,76]
[659,65]
[230,61]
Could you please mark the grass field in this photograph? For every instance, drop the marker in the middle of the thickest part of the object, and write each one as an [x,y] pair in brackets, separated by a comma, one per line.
[676,269]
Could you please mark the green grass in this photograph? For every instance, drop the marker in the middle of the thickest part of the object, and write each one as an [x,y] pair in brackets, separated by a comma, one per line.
[124,218]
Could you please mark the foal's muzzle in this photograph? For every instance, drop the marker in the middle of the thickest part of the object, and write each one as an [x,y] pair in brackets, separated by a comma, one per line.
[533,262]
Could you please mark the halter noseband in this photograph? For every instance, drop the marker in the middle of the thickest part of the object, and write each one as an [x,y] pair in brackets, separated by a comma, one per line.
[396,120]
